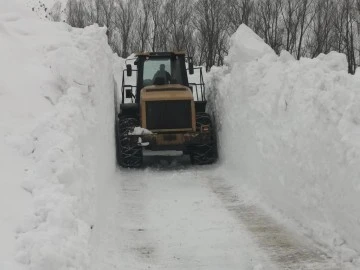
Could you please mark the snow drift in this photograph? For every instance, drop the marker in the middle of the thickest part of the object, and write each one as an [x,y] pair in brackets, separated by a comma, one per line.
[290,129]
[56,87]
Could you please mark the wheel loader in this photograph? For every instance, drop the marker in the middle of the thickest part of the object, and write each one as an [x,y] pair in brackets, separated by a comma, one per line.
[161,110]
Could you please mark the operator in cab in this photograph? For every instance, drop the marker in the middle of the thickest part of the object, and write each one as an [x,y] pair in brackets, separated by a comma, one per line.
[162,76]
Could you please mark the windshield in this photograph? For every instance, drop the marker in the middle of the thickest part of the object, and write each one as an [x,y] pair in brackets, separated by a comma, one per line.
[161,71]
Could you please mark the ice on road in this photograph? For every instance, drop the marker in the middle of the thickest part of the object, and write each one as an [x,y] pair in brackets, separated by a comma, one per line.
[191,219]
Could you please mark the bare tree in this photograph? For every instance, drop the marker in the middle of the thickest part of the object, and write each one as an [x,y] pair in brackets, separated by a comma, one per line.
[358,31]
[289,12]
[156,12]
[76,13]
[322,26]
[142,26]
[94,11]
[178,14]
[107,18]
[124,23]
[238,12]
[211,23]
[203,27]
[267,23]
[305,18]
[348,6]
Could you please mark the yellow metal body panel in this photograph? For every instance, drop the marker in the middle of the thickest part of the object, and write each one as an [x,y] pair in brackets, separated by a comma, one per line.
[166,92]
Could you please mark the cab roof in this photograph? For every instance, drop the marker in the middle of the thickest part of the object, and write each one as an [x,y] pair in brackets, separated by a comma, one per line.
[160,53]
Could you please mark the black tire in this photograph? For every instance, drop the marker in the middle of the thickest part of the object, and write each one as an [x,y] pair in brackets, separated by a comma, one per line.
[129,154]
[202,154]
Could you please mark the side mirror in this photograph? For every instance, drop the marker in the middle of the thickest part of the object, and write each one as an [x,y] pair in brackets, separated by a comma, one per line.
[191,65]
[128,93]
[128,70]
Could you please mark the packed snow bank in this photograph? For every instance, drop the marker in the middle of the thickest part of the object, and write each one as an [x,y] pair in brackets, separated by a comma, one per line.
[291,130]
[57,130]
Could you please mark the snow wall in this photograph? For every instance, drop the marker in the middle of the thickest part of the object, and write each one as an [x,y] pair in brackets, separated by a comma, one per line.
[58,93]
[74,150]
[291,130]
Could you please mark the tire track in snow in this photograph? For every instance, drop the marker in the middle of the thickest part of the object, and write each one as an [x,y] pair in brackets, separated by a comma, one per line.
[185,218]
[167,218]
[134,193]
[192,228]
[121,240]
[284,248]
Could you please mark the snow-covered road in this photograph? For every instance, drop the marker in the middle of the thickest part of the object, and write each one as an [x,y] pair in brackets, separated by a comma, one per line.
[179,217]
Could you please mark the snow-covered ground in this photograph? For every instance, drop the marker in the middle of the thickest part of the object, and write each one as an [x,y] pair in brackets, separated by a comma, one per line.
[172,216]
[284,194]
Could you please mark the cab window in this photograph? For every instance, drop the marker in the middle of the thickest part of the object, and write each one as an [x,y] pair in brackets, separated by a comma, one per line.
[162,71]
[154,68]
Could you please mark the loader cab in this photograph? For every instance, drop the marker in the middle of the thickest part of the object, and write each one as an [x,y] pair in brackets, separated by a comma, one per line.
[160,69]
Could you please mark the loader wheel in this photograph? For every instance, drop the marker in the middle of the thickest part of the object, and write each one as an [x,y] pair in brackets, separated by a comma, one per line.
[202,154]
[129,154]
